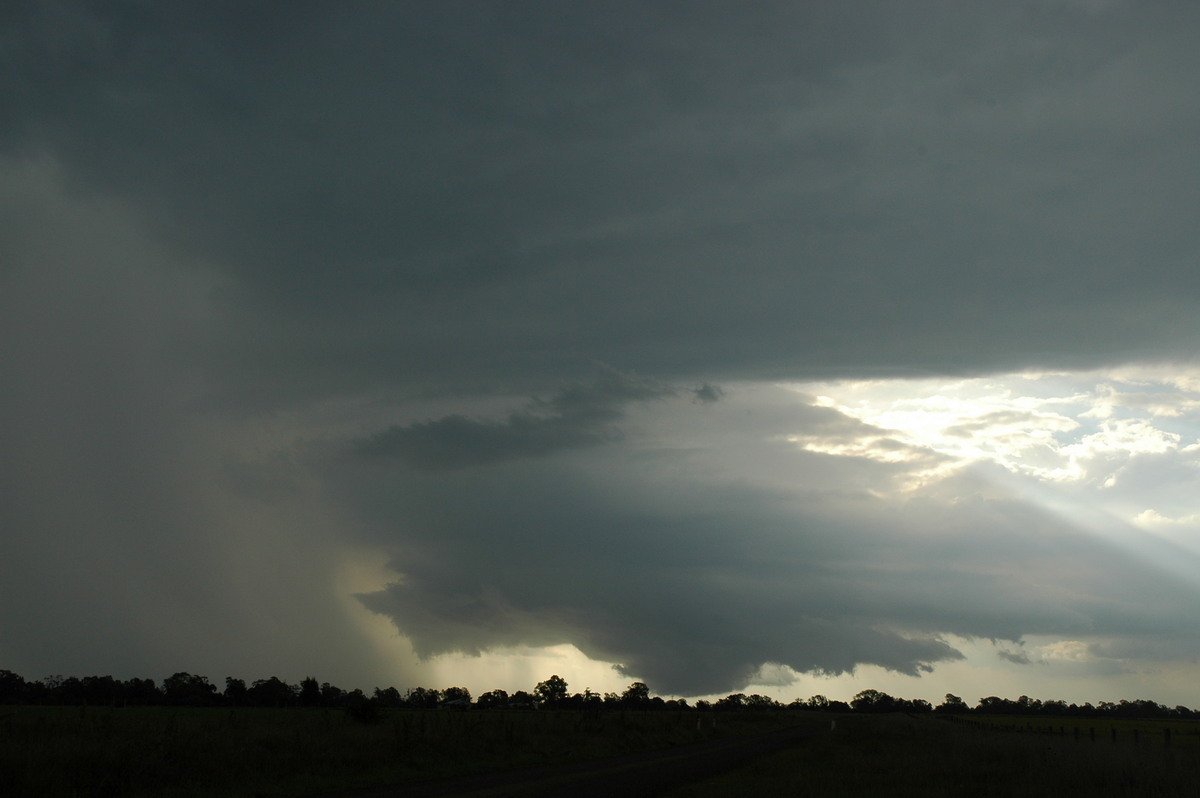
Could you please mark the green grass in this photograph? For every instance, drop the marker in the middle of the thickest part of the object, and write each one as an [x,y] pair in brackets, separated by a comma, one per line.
[931,757]
[196,753]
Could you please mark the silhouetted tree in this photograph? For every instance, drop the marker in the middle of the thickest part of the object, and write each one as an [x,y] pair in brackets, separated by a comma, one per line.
[456,696]
[332,696]
[310,692]
[756,701]
[235,692]
[389,697]
[873,701]
[590,700]
[184,689]
[1053,707]
[142,692]
[636,695]
[272,692]
[551,692]
[994,705]
[952,705]
[818,703]
[521,699]
[732,701]
[422,698]
[492,698]
[13,689]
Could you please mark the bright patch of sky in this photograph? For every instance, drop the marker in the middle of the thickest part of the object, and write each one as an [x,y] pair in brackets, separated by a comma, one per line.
[1085,429]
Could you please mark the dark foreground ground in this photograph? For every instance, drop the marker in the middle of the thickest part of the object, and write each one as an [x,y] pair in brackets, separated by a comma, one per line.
[930,757]
[648,773]
[893,755]
[209,753]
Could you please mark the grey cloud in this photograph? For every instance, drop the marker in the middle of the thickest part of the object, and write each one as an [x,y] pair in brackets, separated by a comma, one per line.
[708,393]
[578,416]
[1015,657]
[693,586]
[295,211]
[486,193]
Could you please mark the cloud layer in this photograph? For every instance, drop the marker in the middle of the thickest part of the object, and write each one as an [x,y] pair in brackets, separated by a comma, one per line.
[664,332]
[692,557]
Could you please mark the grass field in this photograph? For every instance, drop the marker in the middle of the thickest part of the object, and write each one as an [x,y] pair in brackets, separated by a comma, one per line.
[896,755]
[190,752]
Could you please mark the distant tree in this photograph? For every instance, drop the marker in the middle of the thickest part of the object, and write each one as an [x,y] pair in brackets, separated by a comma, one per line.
[422,698]
[1054,707]
[492,699]
[13,689]
[332,696]
[818,703]
[272,692]
[551,692]
[873,701]
[184,689]
[916,705]
[994,705]
[235,691]
[101,690]
[952,705]
[390,697]
[636,695]
[310,692]
[756,701]
[456,695]
[732,701]
[521,699]
[590,700]
[70,692]
[142,692]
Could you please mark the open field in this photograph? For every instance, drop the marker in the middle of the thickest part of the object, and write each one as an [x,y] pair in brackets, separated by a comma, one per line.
[1139,731]
[898,755]
[192,752]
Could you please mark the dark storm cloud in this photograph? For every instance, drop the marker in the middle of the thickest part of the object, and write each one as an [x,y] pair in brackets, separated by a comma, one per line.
[1015,657]
[579,416]
[693,584]
[277,223]
[470,193]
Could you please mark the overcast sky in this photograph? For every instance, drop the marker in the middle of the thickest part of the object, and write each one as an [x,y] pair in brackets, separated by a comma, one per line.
[781,347]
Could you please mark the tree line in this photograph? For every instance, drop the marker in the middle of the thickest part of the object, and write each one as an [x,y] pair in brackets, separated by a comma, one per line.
[186,689]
